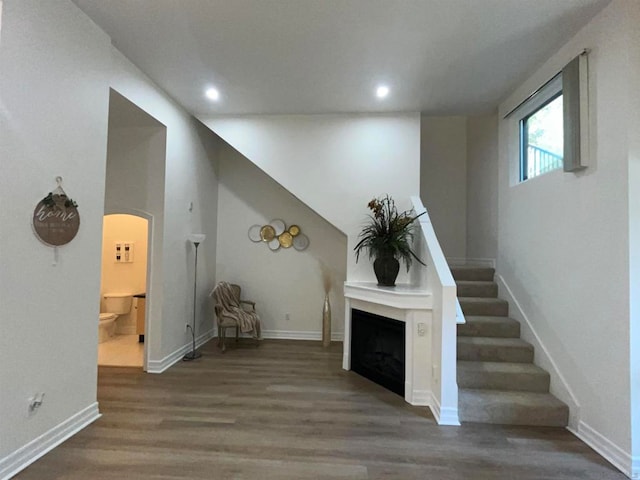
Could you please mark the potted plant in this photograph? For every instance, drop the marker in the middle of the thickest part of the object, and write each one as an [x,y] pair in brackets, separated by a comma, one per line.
[388,237]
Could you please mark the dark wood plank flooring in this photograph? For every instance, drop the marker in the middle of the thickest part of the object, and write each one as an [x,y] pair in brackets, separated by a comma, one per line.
[286,410]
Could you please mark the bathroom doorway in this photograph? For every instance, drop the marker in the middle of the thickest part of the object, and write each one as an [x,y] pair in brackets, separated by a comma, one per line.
[135,185]
[123,290]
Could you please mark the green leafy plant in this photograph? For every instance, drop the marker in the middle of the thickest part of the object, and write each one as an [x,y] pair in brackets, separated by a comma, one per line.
[388,232]
[51,201]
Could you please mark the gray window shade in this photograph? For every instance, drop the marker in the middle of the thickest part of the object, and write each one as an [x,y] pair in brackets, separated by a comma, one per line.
[572,75]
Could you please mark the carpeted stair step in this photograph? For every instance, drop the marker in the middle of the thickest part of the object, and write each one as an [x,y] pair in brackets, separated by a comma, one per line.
[476,288]
[487,349]
[524,377]
[484,306]
[467,272]
[498,382]
[512,408]
[487,326]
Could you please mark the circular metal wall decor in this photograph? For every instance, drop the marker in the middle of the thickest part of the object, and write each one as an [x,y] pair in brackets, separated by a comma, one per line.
[254,233]
[267,233]
[274,244]
[300,242]
[56,219]
[276,235]
[278,226]
[294,230]
[285,239]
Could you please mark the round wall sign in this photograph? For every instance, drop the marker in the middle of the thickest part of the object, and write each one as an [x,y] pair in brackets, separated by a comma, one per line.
[56,220]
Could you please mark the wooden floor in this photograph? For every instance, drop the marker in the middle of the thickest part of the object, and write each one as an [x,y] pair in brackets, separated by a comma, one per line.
[286,410]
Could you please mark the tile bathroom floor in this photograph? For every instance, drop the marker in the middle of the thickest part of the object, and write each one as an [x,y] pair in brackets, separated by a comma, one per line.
[121,351]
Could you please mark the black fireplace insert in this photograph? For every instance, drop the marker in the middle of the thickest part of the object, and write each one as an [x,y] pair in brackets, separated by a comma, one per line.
[377,349]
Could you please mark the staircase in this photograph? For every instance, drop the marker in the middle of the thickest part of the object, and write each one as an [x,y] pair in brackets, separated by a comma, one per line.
[497,380]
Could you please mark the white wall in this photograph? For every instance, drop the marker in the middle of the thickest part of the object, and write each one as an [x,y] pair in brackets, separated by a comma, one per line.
[190,176]
[563,245]
[54,95]
[285,281]
[482,186]
[459,183]
[335,164]
[57,66]
[633,137]
[443,180]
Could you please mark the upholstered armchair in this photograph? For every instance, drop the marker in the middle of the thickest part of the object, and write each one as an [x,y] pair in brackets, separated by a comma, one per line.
[233,312]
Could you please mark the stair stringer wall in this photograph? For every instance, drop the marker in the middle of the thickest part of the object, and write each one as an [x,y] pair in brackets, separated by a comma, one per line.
[334,164]
[559,386]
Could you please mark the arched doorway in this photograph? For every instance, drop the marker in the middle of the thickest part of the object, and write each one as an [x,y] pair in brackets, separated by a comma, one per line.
[125,283]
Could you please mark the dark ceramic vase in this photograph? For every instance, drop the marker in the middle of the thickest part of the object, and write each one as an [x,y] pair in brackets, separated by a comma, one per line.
[386,269]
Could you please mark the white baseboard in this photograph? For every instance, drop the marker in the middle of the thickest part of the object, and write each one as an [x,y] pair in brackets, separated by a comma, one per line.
[620,459]
[159,366]
[541,350]
[293,335]
[300,335]
[32,451]
[478,262]
[444,416]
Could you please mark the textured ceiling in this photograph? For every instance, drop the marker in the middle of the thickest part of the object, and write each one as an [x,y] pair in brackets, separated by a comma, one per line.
[322,56]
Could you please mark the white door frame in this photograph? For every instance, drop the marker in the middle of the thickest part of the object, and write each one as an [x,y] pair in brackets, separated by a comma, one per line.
[148,327]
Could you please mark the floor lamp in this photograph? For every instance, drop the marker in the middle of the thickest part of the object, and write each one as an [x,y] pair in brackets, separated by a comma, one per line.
[196,239]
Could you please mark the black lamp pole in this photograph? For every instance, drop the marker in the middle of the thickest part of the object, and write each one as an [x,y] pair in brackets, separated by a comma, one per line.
[192,355]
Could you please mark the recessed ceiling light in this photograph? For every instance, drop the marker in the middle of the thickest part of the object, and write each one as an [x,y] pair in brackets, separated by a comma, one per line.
[212,94]
[382,91]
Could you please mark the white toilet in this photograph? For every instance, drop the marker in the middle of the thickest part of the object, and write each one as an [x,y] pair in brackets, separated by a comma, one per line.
[114,304]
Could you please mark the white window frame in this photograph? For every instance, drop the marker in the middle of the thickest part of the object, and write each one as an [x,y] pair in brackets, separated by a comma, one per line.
[544,95]
[576,119]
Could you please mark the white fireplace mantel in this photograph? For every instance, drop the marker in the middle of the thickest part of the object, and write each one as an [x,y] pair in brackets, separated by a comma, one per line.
[402,296]
[410,305]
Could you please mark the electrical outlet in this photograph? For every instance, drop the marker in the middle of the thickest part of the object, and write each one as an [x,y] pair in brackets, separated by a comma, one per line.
[422,329]
[186,327]
[287,317]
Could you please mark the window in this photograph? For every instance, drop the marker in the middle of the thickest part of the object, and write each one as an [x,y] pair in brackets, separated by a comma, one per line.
[550,128]
[540,127]
[541,139]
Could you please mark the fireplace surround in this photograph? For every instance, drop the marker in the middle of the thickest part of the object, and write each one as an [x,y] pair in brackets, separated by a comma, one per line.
[404,304]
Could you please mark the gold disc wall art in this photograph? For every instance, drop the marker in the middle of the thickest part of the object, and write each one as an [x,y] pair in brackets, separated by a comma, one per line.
[276,234]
